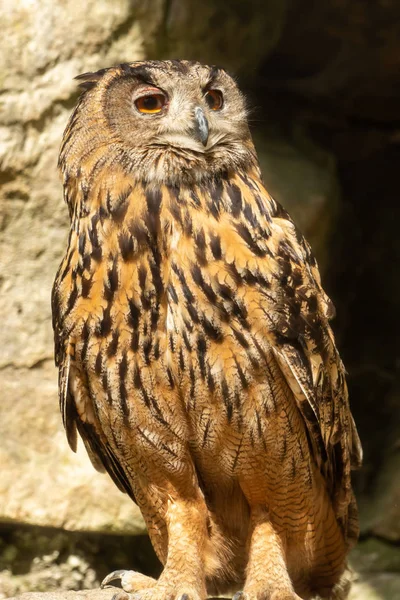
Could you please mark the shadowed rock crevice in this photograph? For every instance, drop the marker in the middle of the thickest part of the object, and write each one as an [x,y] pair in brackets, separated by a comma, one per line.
[48,559]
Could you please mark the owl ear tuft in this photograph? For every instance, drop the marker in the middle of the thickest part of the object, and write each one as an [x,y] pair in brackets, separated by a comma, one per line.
[89,80]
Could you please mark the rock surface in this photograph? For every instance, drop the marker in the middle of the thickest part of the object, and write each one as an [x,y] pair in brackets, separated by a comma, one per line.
[106,594]
[42,481]
[303,178]
[377,566]
[382,587]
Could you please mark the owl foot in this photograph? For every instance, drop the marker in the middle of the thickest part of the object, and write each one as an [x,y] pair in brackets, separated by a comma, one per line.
[136,586]
[131,581]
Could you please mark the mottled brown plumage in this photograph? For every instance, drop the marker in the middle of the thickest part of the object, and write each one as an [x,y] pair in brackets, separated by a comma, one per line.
[192,337]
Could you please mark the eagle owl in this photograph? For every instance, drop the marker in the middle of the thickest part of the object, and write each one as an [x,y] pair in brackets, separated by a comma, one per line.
[195,356]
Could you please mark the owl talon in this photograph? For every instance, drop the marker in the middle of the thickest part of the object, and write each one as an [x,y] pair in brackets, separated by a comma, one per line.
[112,577]
[131,581]
[239,596]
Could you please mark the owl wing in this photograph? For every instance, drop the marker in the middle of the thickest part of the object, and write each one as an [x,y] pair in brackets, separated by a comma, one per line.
[304,347]
[306,353]
[77,408]
[273,278]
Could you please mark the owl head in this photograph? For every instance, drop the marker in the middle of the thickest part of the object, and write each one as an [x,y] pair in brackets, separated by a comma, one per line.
[168,122]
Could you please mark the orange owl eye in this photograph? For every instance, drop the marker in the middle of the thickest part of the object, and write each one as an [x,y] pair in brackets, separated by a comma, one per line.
[151,104]
[214,99]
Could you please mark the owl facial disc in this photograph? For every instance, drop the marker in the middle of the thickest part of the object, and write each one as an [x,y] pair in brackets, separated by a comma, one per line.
[170,122]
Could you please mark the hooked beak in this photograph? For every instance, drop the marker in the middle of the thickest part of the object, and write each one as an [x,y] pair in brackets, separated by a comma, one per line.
[200,125]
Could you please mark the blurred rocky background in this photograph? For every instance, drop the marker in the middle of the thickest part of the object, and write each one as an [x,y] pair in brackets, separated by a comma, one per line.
[323,81]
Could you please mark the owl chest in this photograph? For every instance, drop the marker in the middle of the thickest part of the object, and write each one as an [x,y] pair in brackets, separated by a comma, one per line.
[134,285]
[159,293]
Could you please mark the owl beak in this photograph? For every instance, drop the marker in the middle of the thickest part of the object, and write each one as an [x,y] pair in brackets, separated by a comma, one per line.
[201,125]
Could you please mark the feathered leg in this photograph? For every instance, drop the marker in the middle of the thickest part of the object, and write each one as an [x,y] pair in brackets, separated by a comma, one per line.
[267,576]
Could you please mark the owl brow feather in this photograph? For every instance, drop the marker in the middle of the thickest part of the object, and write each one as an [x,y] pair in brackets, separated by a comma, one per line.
[89,80]
[139,72]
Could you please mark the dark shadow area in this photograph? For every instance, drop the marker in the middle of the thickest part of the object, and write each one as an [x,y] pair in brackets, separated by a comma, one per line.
[361,273]
[24,548]
[364,281]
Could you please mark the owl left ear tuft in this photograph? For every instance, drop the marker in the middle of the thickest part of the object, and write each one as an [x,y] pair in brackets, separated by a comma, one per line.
[89,80]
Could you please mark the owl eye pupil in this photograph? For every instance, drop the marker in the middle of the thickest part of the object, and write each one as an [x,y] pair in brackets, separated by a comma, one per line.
[150,102]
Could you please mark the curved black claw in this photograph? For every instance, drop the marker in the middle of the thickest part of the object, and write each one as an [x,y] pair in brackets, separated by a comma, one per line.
[239,596]
[184,597]
[112,577]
